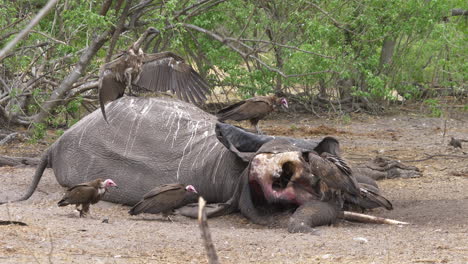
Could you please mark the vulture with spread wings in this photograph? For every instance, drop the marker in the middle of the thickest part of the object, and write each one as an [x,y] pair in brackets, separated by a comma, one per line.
[157,72]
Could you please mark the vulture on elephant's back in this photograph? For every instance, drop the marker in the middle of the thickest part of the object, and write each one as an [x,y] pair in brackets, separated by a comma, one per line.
[158,72]
[253,109]
[85,194]
[165,198]
[337,180]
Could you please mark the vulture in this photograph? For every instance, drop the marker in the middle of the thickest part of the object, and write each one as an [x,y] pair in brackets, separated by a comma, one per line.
[165,198]
[85,194]
[253,109]
[157,72]
[336,178]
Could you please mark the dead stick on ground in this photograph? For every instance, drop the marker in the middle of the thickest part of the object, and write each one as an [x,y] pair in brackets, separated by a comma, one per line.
[205,232]
[351,216]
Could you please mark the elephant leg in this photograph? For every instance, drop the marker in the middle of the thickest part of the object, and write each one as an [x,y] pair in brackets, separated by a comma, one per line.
[310,214]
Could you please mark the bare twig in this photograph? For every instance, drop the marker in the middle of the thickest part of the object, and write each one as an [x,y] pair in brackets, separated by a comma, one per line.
[26,30]
[49,37]
[205,232]
[51,247]
[438,155]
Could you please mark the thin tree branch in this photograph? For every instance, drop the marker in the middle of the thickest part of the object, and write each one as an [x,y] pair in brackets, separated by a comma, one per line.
[118,30]
[245,55]
[284,46]
[49,37]
[67,83]
[25,31]
[335,22]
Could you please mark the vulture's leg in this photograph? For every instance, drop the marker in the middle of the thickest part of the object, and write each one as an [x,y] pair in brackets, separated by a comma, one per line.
[128,77]
[77,207]
[254,123]
[85,210]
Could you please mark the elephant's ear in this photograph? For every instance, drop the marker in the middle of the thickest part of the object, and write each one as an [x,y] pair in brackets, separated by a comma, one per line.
[330,145]
[242,143]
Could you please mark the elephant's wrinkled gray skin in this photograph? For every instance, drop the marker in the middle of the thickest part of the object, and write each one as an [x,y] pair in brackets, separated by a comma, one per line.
[154,141]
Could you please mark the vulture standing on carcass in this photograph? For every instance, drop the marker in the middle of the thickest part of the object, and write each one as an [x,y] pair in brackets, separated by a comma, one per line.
[85,194]
[253,109]
[157,72]
[165,198]
[338,181]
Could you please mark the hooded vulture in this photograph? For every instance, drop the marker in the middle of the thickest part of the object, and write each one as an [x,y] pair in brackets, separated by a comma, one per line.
[165,198]
[85,194]
[337,180]
[253,109]
[158,72]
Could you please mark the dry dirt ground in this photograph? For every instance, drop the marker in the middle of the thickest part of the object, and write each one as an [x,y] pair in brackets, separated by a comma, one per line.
[436,205]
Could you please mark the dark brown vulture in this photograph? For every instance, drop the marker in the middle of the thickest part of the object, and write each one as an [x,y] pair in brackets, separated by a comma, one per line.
[85,194]
[253,109]
[165,198]
[337,179]
[157,72]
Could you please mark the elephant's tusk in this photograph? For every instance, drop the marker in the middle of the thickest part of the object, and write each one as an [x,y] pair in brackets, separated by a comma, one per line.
[363,218]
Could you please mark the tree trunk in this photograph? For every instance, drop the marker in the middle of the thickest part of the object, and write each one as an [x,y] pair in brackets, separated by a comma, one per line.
[386,55]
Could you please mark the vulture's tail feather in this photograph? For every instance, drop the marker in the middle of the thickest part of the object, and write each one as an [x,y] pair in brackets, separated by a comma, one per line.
[377,198]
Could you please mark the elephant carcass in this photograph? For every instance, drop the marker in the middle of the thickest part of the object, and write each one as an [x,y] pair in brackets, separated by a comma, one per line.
[155,141]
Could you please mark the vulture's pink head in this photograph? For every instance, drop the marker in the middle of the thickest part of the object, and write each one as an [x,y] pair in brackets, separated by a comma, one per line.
[190,188]
[109,183]
[284,102]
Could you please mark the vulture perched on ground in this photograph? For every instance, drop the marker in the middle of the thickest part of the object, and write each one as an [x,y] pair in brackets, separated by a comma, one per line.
[165,198]
[338,181]
[157,72]
[85,194]
[253,109]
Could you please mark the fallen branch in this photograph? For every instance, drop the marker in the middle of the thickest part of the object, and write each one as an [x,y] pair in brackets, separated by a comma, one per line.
[205,231]
[363,218]
[9,138]
[16,161]
[9,222]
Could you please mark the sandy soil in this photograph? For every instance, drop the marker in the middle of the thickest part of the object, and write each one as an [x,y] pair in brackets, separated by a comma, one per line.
[436,205]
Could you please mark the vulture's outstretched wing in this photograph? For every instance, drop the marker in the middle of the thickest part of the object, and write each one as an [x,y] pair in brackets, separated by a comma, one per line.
[109,89]
[167,71]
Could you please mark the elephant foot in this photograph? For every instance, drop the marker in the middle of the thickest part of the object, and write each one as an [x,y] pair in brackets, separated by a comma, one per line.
[311,214]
